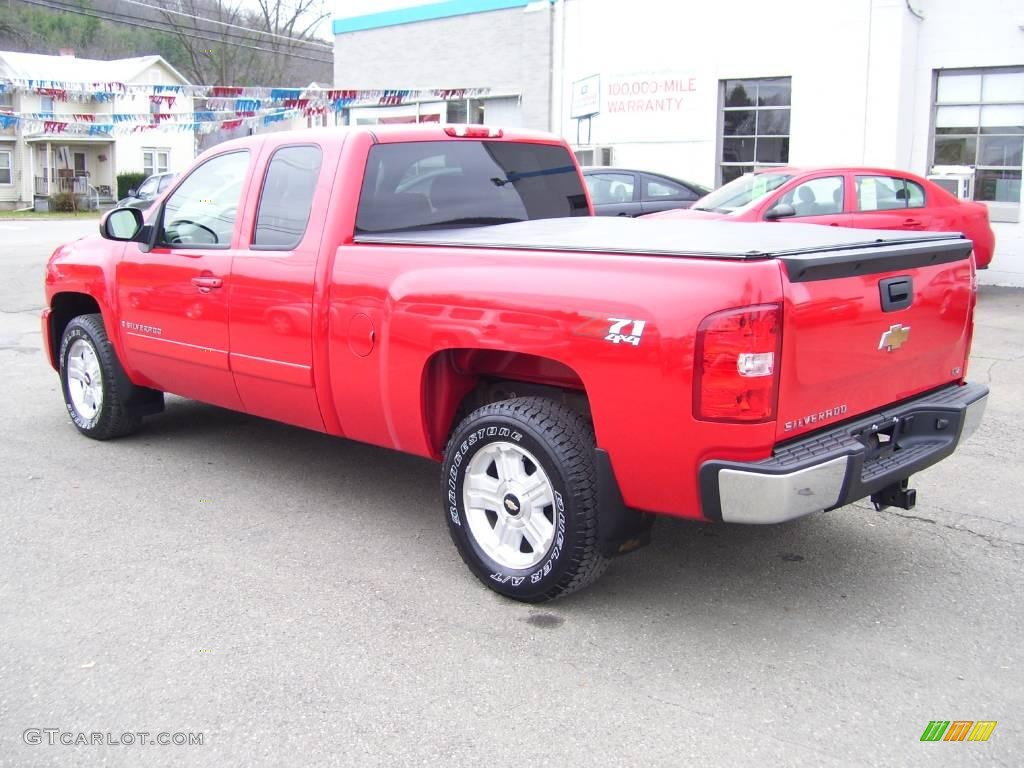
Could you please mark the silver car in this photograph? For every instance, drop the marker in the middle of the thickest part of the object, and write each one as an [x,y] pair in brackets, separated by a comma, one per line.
[147,192]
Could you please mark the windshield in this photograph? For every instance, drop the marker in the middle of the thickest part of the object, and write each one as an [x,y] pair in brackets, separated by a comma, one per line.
[741,192]
[437,184]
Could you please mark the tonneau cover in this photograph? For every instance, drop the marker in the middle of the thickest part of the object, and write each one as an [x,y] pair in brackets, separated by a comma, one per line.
[662,237]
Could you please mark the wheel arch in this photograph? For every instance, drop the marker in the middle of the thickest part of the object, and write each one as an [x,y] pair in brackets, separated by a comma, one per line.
[458,380]
[64,307]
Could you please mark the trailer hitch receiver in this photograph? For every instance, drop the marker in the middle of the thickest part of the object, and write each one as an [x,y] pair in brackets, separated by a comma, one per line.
[895,495]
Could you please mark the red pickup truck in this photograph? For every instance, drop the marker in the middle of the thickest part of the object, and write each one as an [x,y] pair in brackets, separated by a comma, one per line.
[446,291]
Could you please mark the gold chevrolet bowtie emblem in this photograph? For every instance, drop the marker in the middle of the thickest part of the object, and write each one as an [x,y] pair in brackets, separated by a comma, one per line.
[895,337]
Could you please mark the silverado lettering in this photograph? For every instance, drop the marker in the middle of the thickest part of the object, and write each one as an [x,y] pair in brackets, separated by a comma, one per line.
[140,327]
[814,418]
[446,291]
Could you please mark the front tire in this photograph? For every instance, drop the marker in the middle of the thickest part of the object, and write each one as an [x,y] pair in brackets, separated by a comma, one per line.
[96,389]
[519,485]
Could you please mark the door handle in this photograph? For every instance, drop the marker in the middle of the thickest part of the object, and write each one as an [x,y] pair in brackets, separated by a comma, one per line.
[911,223]
[205,284]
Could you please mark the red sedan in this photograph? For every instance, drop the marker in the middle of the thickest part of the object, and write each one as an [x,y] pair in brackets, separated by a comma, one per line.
[865,198]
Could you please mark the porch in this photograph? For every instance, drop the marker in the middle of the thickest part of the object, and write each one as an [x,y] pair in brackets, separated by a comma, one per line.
[83,168]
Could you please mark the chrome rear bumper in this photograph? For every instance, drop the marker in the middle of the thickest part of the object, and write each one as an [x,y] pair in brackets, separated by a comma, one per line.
[839,465]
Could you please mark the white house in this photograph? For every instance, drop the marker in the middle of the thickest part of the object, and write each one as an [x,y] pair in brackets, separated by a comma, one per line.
[37,160]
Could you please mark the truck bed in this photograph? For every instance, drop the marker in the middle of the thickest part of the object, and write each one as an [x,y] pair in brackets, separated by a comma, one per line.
[664,237]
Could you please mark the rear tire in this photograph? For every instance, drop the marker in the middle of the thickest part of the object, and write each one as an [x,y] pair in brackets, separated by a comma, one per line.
[518,484]
[95,387]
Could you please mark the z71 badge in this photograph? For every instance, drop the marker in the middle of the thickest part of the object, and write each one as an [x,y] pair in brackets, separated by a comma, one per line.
[617,330]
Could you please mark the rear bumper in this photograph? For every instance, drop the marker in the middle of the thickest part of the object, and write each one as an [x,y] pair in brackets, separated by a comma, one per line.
[837,466]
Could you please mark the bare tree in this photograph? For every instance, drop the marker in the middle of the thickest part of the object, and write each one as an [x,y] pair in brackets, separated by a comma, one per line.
[293,21]
[229,42]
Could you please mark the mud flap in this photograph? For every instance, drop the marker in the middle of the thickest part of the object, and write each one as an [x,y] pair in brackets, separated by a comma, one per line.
[620,528]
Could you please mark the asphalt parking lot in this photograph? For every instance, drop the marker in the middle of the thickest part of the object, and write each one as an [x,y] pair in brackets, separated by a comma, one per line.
[296,600]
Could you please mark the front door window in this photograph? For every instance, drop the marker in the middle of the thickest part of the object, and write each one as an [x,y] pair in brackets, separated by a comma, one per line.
[201,212]
[817,197]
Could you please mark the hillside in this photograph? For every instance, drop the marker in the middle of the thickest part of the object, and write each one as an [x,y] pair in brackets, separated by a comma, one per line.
[234,52]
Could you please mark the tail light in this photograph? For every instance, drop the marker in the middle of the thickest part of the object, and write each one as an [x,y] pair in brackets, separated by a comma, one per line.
[736,371]
[969,330]
[473,132]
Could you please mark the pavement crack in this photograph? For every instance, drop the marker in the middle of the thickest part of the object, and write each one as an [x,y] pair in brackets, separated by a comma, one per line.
[988,538]
[25,311]
[988,371]
[910,517]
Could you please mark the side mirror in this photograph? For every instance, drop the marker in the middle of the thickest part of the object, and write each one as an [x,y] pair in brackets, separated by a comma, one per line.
[780,211]
[122,224]
[133,192]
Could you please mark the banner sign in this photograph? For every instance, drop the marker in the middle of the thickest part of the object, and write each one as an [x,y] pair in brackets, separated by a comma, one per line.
[586,97]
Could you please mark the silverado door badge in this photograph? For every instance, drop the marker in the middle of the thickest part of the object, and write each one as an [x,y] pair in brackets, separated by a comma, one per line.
[894,338]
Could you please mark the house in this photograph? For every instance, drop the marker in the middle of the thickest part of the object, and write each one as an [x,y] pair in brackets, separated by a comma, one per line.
[59,142]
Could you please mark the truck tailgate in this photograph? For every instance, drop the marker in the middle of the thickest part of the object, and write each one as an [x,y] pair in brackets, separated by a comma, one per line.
[871,326]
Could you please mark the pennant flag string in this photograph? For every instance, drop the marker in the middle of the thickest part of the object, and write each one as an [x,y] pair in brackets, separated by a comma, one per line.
[220,107]
[66,90]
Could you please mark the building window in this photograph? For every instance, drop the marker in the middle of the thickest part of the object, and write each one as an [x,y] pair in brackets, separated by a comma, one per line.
[979,122]
[755,125]
[5,167]
[154,160]
[46,104]
[466,111]
[6,103]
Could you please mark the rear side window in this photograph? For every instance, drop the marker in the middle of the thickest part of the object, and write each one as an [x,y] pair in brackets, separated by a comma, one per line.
[886,193]
[663,189]
[287,197]
[610,188]
[462,183]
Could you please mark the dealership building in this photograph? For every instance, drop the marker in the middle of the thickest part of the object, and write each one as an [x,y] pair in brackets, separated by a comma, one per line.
[706,92]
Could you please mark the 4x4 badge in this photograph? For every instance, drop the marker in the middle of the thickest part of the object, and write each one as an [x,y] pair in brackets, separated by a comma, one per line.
[894,338]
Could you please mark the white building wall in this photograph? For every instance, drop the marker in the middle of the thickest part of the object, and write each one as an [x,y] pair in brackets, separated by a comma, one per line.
[506,113]
[862,75]
[957,34]
[713,42]
[506,50]
[890,52]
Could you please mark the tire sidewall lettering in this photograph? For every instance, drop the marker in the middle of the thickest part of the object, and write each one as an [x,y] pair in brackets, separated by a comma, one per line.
[70,337]
[474,441]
